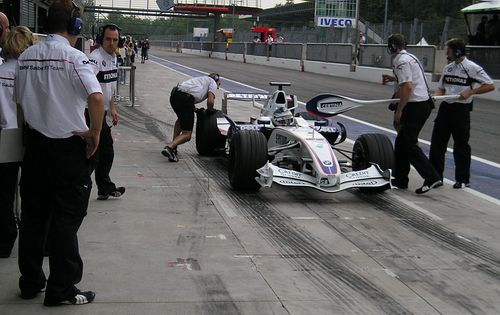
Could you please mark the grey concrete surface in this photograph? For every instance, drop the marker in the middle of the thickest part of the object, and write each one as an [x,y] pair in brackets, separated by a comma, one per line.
[485,117]
[180,241]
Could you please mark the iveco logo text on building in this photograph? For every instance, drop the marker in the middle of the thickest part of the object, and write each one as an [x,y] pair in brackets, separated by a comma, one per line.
[328,21]
[335,104]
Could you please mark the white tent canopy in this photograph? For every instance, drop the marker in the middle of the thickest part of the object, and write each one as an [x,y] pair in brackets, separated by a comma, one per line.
[483,6]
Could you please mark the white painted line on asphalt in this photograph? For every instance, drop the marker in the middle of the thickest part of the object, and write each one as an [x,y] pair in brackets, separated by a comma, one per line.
[171,186]
[304,218]
[476,193]
[220,205]
[390,273]
[417,207]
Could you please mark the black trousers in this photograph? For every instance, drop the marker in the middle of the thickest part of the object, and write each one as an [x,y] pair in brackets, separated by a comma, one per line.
[406,148]
[55,189]
[102,161]
[452,120]
[8,227]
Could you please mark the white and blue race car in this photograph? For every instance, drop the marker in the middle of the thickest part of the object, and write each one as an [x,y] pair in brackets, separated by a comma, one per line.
[295,149]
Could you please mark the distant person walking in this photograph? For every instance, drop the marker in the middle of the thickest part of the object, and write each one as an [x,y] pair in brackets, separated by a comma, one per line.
[465,78]
[144,50]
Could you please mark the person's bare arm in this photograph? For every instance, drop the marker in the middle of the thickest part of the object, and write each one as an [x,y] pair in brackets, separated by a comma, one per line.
[210,101]
[114,113]
[439,92]
[485,88]
[95,103]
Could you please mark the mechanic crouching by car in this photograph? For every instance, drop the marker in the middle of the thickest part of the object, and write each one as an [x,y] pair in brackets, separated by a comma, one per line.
[182,99]
[414,108]
[465,78]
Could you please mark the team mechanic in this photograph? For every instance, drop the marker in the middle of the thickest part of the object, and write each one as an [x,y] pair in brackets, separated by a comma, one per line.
[466,78]
[414,108]
[53,83]
[103,61]
[182,99]
[18,40]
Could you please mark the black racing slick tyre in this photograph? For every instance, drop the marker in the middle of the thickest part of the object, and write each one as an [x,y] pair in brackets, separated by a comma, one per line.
[373,148]
[247,153]
[209,140]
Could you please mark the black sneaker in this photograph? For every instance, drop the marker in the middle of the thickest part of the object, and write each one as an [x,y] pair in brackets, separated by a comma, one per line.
[428,186]
[460,185]
[170,153]
[118,192]
[28,295]
[79,299]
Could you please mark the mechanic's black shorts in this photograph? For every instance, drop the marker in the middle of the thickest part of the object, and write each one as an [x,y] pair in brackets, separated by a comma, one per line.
[183,105]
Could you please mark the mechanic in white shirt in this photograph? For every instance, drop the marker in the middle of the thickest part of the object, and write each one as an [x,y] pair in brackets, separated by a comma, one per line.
[103,61]
[4,31]
[54,82]
[18,40]
[414,108]
[465,78]
[182,99]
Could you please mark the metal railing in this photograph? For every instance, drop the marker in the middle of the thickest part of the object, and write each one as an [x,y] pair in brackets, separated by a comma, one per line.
[369,55]
[126,95]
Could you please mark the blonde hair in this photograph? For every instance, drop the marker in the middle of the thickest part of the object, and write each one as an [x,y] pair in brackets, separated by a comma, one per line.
[18,40]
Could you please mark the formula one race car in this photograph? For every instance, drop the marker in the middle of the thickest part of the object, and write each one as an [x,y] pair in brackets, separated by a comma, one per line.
[295,149]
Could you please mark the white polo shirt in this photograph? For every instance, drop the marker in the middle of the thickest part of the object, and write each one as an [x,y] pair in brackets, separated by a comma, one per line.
[407,68]
[53,81]
[462,76]
[8,109]
[199,87]
[106,71]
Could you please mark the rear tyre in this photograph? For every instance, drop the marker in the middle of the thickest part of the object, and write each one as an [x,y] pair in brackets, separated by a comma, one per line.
[247,153]
[209,140]
[373,148]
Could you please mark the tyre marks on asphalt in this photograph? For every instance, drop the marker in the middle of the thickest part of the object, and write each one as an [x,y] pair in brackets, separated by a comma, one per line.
[335,276]
[480,256]
[219,301]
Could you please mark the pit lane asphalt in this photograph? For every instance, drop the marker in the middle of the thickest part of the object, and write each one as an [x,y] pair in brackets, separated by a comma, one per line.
[485,130]
[180,241]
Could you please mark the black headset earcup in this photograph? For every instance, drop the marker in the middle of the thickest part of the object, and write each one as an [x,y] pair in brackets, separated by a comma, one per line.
[121,42]
[1,30]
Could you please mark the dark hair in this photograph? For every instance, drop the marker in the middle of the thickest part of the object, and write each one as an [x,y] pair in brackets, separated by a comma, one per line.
[396,41]
[215,76]
[61,13]
[457,45]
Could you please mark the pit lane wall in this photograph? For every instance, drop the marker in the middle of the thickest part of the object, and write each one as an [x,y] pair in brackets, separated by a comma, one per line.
[334,59]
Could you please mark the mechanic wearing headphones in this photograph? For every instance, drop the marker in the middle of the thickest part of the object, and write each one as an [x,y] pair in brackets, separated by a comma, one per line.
[103,61]
[53,83]
[182,100]
[465,78]
[414,108]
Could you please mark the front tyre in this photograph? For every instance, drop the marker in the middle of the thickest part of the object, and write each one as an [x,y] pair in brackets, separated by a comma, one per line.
[373,148]
[247,153]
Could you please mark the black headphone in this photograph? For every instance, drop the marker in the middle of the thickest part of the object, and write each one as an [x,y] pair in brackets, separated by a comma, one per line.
[395,42]
[215,76]
[457,47]
[100,37]
[75,24]
[1,30]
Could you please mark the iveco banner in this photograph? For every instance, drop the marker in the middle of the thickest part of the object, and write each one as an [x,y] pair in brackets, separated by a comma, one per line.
[335,13]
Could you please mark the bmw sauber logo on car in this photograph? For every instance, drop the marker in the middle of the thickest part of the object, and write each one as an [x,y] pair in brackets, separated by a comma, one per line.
[357,175]
[327,105]
[327,163]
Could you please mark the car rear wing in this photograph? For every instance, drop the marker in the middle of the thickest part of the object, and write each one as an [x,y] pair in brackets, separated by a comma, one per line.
[246,97]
